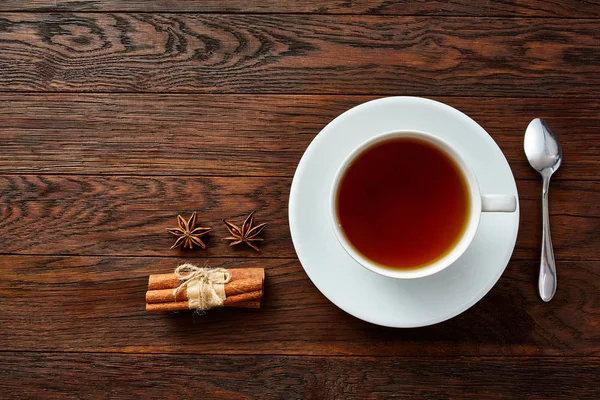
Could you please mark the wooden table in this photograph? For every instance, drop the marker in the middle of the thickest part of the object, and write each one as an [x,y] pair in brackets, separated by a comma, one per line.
[115,116]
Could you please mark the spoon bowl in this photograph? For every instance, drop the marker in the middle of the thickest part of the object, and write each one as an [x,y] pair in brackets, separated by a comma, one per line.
[542,148]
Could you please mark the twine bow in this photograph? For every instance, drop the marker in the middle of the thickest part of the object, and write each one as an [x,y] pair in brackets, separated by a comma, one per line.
[205,286]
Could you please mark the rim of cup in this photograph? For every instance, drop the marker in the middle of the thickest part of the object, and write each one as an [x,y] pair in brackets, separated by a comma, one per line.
[459,248]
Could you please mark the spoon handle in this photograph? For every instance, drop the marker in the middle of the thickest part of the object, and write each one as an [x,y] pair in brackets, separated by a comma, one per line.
[547,281]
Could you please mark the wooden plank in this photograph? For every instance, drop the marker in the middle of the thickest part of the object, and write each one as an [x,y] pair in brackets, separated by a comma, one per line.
[154,134]
[565,8]
[51,375]
[128,216]
[97,304]
[299,54]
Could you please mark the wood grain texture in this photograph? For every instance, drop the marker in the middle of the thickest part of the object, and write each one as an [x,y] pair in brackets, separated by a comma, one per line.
[510,8]
[97,304]
[299,54]
[43,376]
[101,215]
[243,135]
[115,116]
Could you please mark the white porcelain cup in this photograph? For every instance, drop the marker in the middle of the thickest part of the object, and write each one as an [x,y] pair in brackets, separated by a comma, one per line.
[479,203]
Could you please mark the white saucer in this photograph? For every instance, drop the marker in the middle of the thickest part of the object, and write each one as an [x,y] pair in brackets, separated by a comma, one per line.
[365,294]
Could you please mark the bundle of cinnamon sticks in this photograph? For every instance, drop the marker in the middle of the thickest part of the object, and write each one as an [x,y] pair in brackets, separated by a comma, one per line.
[244,290]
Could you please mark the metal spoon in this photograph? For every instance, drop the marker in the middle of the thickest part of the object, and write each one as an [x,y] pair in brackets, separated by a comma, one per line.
[545,155]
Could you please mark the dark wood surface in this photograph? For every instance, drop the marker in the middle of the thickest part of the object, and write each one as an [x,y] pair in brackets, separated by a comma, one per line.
[250,53]
[507,8]
[115,116]
[241,377]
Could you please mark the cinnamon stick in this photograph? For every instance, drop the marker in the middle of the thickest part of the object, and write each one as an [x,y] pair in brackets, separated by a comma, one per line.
[170,281]
[183,305]
[233,301]
[233,288]
[238,300]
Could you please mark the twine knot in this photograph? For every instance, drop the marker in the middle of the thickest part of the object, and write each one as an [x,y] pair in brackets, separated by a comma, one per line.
[205,286]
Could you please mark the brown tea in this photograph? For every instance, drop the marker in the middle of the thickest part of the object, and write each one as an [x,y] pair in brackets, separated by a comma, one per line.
[403,203]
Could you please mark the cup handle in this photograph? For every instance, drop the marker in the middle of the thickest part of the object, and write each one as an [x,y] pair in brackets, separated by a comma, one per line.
[498,203]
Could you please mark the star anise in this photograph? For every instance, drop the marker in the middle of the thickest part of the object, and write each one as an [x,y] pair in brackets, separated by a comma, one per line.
[188,234]
[246,233]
